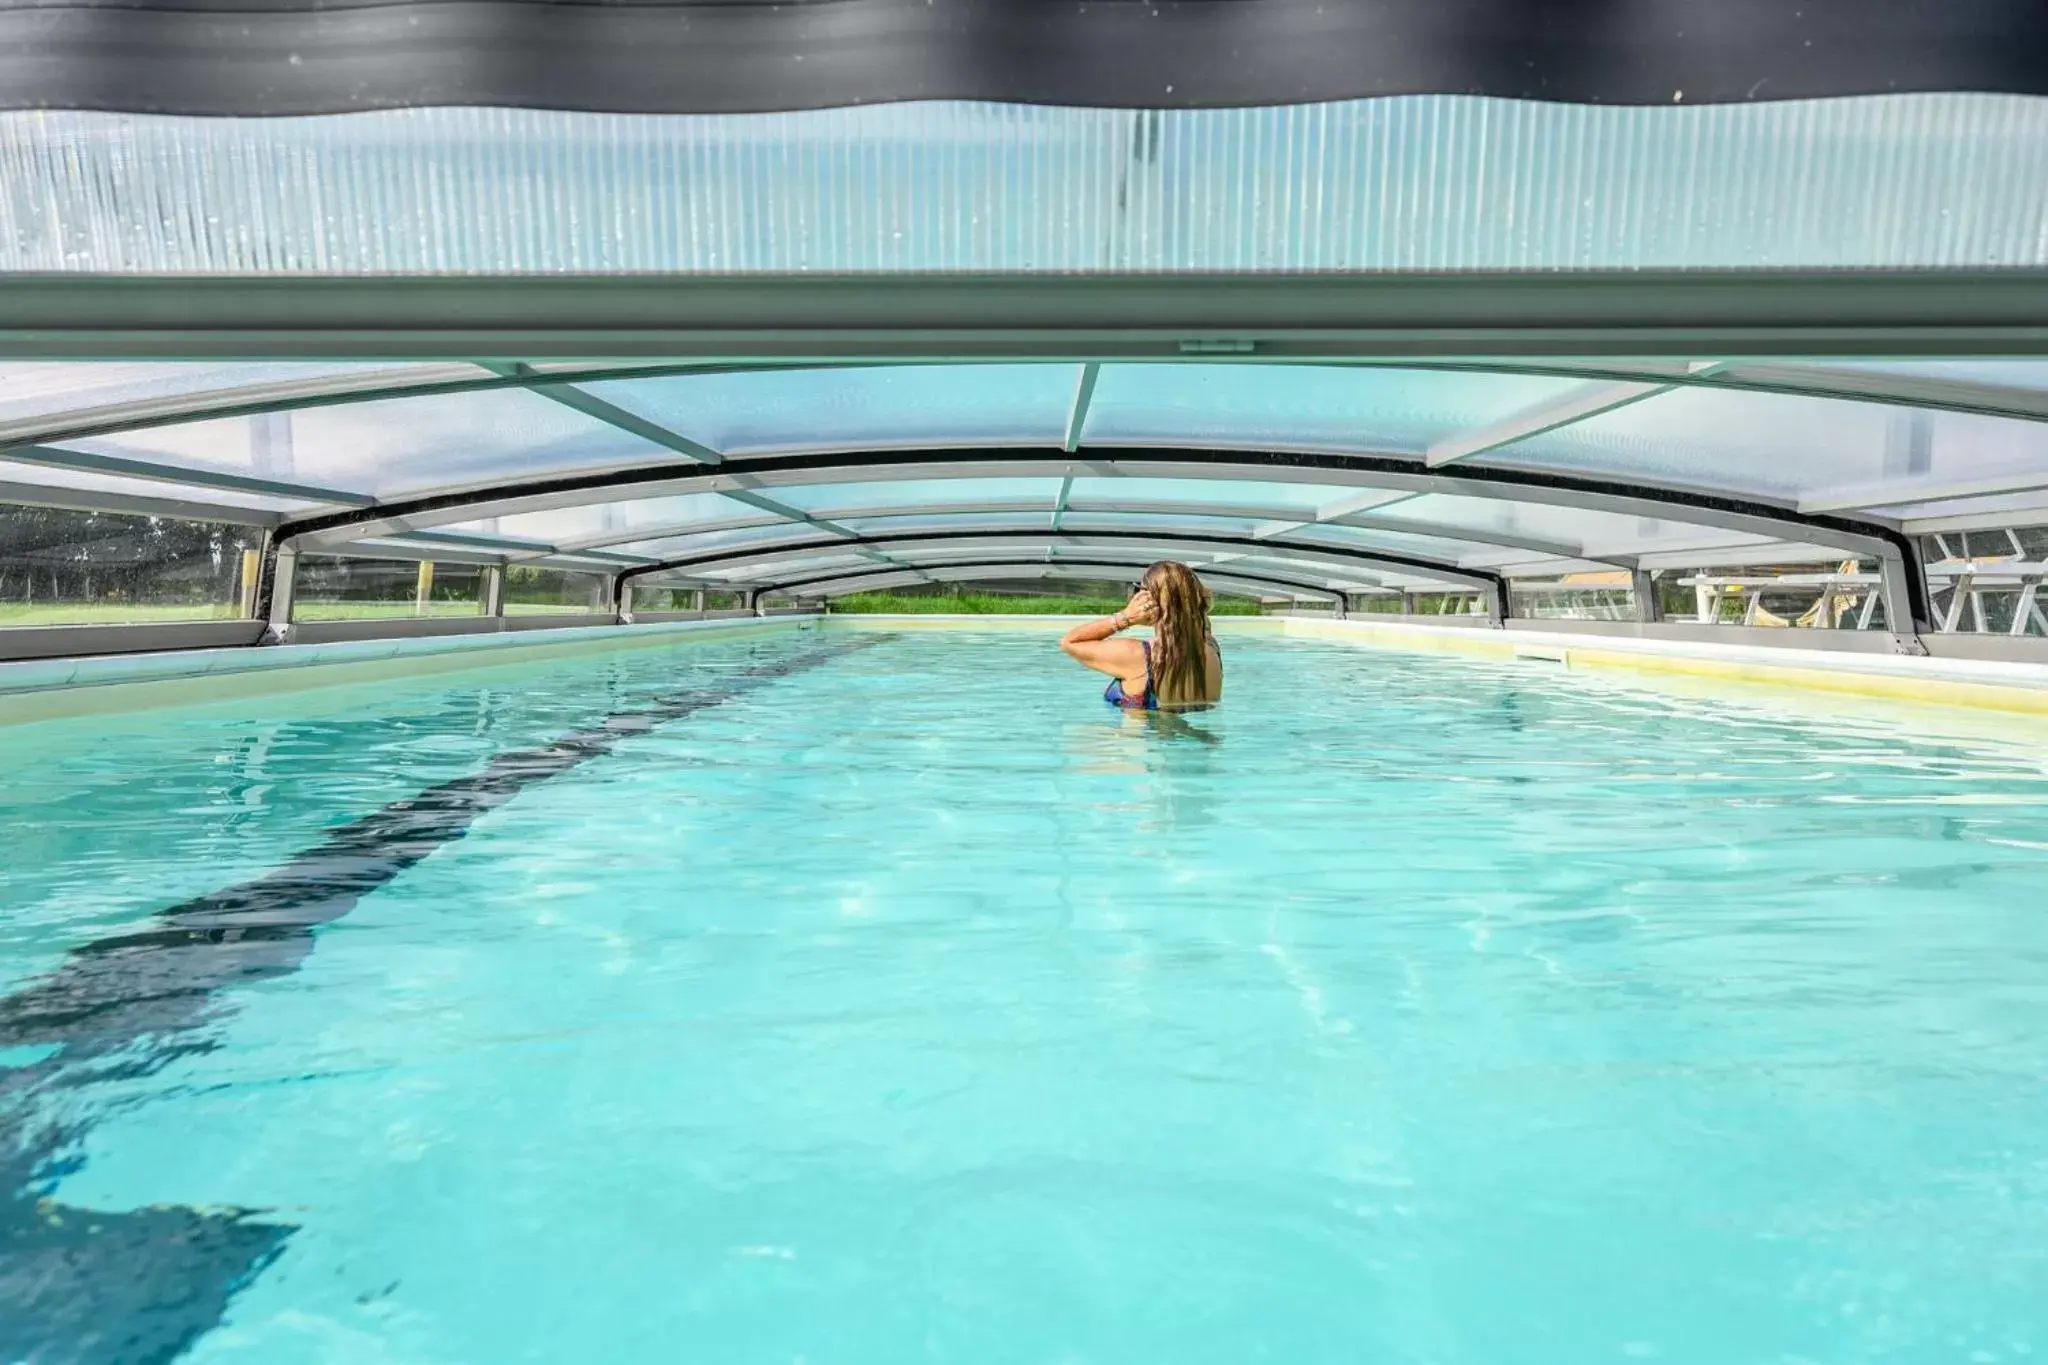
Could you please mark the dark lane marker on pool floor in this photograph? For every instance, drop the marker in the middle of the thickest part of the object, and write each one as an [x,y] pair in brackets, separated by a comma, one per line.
[92,1288]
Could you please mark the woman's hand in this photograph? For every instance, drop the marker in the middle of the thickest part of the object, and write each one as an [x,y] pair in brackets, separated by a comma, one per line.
[1141,610]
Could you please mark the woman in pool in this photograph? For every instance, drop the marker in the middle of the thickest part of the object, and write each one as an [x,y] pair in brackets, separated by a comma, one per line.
[1179,668]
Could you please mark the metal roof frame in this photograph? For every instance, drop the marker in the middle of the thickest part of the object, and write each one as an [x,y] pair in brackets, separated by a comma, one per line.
[1876,538]
[831,585]
[1279,519]
[1492,585]
[1516,324]
[1202,558]
[555,383]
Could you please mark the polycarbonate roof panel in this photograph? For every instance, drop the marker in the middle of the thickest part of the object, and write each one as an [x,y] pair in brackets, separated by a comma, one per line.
[1025,553]
[704,542]
[1305,498]
[1431,182]
[1026,571]
[90,486]
[949,521]
[51,388]
[830,500]
[2018,508]
[790,566]
[1447,548]
[1591,532]
[392,447]
[1304,407]
[1322,569]
[606,519]
[1779,446]
[1210,524]
[768,411]
[2004,374]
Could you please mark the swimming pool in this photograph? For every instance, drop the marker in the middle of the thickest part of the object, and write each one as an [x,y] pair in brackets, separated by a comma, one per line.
[839,995]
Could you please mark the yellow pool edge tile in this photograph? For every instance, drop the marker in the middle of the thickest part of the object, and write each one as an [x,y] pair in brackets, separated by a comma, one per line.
[1803,671]
[1883,686]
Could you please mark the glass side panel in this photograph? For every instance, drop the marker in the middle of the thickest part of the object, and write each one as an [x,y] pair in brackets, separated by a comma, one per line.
[893,406]
[654,597]
[651,597]
[531,590]
[392,447]
[337,588]
[1576,597]
[1405,183]
[89,568]
[2015,508]
[52,388]
[1303,407]
[1779,446]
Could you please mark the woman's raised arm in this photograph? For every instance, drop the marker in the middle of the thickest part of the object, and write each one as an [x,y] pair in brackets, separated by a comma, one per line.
[1093,642]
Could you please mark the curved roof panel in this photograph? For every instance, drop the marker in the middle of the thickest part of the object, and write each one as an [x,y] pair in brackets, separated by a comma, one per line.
[1424,182]
[1427,473]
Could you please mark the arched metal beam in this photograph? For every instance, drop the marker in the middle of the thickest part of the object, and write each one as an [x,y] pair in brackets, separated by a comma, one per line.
[1491,585]
[1904,587]
[1277,516]
[670,530]
[738,561]
[851,579]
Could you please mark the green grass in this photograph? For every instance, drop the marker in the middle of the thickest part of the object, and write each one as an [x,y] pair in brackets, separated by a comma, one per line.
[996,604]
[123,614]
[372,611]
[110,613]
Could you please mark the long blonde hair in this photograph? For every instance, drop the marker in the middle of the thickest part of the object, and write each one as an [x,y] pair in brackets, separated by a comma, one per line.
[1180,635]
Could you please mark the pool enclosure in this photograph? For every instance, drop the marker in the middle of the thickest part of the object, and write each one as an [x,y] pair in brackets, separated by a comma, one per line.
[1636,346]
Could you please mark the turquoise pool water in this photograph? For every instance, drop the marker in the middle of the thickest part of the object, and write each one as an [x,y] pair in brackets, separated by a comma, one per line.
[831,997]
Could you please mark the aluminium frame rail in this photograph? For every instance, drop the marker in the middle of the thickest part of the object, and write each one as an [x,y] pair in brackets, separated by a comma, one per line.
[1897,554]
